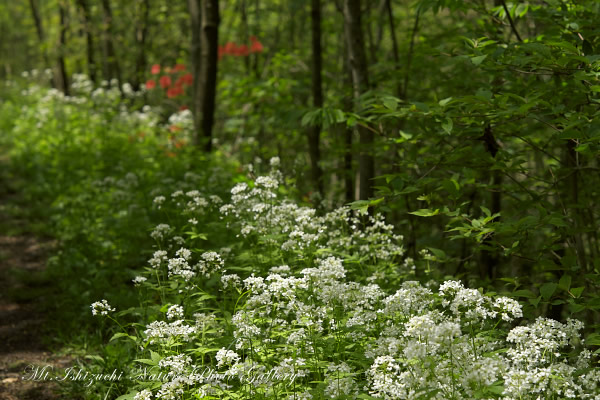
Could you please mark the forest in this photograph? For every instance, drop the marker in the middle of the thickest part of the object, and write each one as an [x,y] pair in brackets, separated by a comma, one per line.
[299,199]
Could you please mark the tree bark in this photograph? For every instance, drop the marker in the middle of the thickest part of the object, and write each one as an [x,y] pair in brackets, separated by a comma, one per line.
[360,84]
[39,28]
[111,68]
[204,16]
[62,80]
[314,132]
[245,31]
[196,26]
[489,257]
[141,33]
[87,23]
[395,53]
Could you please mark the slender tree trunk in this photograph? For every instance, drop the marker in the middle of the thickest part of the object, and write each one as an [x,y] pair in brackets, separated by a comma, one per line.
[360,84]
[111,64]
[314,132]
[196,26]
[39,28]
[573,195]
[245,31]
[62,80]
[370,38]
[409,56]
[256,56]
[395,53]
[87,23]
[210,52]
[489,257]
[141,34]
[204,16]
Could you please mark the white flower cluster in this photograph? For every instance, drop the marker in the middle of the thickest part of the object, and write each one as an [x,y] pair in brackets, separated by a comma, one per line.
[474,306]
[175,312]
[138,280]
[260,212]
[161,331]
[210,263]
[143,395]
[101,308]
[226,357]
[160,231]
[158,258]
[177,363]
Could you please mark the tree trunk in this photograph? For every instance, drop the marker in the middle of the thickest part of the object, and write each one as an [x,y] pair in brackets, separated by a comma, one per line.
[360,84]
[35,12]
[245,31]
[62,80]
[141,34]
[489,257]
[87,23]
[395,53]
[111,64]
[204,16]
[317,64]
[196,54]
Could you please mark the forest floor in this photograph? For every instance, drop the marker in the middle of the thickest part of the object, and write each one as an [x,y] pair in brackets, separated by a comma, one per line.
[24,295]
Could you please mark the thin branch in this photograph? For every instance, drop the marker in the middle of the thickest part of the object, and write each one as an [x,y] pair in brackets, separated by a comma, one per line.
[512,24]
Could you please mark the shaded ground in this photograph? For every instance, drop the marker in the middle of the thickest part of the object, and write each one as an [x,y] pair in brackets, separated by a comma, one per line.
[23,296]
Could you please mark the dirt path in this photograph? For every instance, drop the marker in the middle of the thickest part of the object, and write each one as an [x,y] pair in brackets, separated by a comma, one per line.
[23,293]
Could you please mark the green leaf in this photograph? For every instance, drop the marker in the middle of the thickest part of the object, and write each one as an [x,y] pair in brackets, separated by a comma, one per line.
[478,60]
[535,301]
[445,101]
[128,396]
[421,106]
[405,135]
[390,103]
[425,212]
[565,282]
[524,293]
[447,126]
[146,361]
[576,292]
[593,339]
[548,289]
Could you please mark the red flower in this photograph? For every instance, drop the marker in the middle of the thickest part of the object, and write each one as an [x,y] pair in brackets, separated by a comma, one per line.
[242,51]
[230,48]
[165,81]
[187,79]
[174,92]
[221,52]
[256,46]
[183,107]
[155,69]
[150,84]
[173,129]
[178,67]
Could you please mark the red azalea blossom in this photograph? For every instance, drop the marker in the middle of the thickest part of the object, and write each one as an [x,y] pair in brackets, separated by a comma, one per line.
[150,84]
[155,69]
[174,92]
[178,67]
[183,108]
[230,48]
[242,51]
[221,52]
[256,46]
[165,81]
[187,79]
